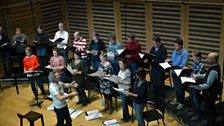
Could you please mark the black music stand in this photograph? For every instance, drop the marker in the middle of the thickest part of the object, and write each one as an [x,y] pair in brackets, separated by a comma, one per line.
[38,103]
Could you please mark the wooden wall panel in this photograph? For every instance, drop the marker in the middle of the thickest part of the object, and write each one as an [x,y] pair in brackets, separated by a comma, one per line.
[21,16]
[204,29]
[2,17]
[103,18]
[133,21]
[51,11]
[166,24]
[77,14]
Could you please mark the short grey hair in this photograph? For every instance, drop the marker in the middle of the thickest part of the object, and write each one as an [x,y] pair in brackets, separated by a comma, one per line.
[51,76]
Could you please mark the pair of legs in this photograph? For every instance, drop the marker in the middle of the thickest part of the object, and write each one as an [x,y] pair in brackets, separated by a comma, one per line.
[63,114]
[139,113]
[36,79]
[124,103]
[108,103]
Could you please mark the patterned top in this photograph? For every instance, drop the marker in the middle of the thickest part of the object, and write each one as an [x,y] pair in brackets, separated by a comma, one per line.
[106,85]
[198,68]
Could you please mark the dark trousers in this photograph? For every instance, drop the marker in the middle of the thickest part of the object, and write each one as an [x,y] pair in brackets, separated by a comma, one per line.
[63,114]
[81,92]
[5,58]
[39,83]
[209,101]
[157,79]
[179,89]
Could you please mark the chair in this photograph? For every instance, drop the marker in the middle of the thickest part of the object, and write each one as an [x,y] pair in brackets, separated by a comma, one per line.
[157,112]
[92,85]
[31,117]
[167,75]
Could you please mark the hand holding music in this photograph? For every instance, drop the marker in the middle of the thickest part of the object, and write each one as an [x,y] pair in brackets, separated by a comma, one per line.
[74,84]
[128,56]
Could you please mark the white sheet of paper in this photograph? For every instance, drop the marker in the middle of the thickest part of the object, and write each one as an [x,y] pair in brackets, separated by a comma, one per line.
[165,65]
[69,68]
[94,116]
[96,74]
[121,90]
[110,122]
[119,51]
[51,107]
[187,79]
[92,112]
[141,55]
[113,78]
[64,47]
[76,114]
[178,71]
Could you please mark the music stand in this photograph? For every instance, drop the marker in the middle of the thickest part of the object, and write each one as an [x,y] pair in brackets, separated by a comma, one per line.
[38,103]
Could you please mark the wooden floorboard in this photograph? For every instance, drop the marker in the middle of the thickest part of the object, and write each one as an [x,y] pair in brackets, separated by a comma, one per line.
[11,104]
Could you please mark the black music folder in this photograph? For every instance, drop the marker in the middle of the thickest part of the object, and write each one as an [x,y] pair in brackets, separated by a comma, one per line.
[148,56]
[123,52]
[58,40]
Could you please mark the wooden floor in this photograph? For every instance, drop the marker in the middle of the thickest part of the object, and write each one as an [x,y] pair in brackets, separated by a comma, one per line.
[11,104]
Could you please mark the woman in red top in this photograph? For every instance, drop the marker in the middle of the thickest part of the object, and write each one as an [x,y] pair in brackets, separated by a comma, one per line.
[31,64]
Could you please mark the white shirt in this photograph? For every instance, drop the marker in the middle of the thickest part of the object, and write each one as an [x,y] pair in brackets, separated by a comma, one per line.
[64,35]
[54,89]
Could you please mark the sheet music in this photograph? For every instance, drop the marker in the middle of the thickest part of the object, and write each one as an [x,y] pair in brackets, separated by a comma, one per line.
[165,65]
[69,68]
[110,56]
[113,78]
[76,113]
[187,79]
[121,90]
[51,107]
[96,74]
[94,114]
[119,51]
[178,71]
[141,55]
[111,122]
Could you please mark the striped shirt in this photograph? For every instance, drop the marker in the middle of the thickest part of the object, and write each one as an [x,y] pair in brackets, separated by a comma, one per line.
[80,45]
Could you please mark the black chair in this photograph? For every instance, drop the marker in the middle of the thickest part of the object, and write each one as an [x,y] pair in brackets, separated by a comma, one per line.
[167,75]
[92,85]
[157,112]
[31,117]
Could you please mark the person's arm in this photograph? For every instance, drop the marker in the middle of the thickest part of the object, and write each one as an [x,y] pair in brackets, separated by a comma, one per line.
[63,97]
[210,80]
[184,60]
[25,39]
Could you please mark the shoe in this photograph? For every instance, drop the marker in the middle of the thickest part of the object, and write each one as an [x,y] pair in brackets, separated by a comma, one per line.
[194,118]
[180,106]
[151,102]
[125,120]
[79,102]
[174,102]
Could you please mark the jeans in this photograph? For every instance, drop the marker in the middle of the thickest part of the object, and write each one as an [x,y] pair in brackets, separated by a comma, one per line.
[96,65]
[64,54]
[124,104]
[139,113]
[42,51]
[63,114]
[63,79]
[195,97]
[179,89]
[39,83]
[133,67]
